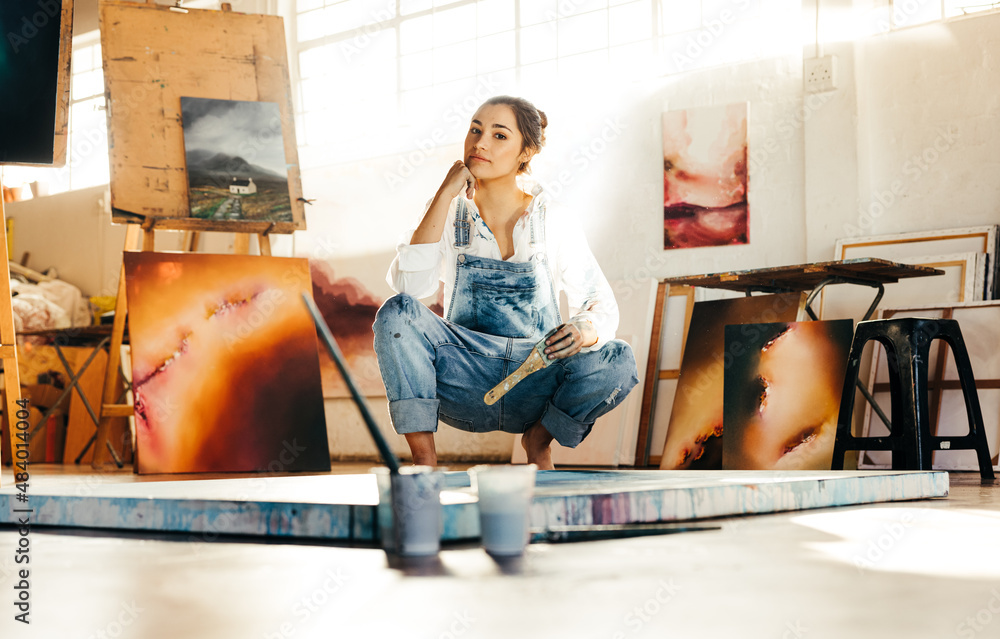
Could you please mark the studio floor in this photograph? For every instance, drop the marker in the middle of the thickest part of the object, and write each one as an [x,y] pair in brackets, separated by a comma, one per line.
[928,568]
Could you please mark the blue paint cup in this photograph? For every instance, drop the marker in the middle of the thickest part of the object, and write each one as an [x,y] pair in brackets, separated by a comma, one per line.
[409,510]
[505,498]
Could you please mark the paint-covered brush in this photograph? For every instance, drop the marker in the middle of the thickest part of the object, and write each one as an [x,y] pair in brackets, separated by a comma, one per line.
[536,361]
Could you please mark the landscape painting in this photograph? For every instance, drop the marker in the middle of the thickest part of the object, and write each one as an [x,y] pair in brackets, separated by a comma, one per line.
[236,163]
[705,177]
[225,364]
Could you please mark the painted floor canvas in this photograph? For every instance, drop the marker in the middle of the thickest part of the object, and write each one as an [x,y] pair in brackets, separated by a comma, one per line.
[224,364]
[235,157]
[705,177]
[782,394]
[694,434]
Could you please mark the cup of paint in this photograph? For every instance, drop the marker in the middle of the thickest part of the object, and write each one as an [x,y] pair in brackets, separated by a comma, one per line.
[409,510]
[505,494]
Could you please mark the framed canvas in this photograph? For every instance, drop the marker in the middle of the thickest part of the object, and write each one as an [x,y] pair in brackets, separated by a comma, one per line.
[224,364]
[35,53]
[782,394]
[899,247]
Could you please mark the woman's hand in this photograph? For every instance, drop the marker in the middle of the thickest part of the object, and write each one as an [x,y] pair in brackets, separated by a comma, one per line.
[431,227]
[459,177]
[570,338]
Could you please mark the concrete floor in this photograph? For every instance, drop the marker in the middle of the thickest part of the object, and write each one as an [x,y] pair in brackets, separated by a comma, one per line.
[912,569]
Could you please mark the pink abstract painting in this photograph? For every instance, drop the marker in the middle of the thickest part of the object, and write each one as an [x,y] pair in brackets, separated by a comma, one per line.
[349,309]
[705,177]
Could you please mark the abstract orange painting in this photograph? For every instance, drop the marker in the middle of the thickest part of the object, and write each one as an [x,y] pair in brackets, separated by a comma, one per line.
[225,364]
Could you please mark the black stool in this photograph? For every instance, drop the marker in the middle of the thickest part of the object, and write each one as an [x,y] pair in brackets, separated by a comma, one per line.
[907,343]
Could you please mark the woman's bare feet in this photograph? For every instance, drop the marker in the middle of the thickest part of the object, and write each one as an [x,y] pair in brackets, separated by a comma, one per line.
[536,442]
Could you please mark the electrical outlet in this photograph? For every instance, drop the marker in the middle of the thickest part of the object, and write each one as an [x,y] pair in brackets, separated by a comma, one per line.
[820,74]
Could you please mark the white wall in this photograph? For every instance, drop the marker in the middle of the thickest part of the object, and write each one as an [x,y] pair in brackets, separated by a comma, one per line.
[909,142]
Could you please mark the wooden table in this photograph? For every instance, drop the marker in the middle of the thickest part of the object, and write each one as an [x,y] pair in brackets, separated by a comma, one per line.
[864,271]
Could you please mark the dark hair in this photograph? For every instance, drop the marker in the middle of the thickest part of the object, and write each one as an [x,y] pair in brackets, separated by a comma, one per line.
[531,122]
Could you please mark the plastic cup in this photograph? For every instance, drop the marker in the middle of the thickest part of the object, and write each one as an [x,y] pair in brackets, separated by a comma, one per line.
[505,494]
[409,510]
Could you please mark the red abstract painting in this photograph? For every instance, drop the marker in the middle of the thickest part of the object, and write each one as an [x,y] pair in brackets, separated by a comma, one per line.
[705,177]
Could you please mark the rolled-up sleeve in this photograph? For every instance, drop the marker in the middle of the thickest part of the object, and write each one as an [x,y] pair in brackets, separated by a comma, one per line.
[587,290]
[416,269]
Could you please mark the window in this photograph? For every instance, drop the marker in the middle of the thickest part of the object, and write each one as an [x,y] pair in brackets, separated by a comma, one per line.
[897,14]
[381,77]
[87,146]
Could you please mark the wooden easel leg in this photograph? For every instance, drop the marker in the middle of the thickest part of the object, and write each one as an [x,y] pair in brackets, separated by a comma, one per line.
[109,410]
[241,244]
[264,242]
[8,350]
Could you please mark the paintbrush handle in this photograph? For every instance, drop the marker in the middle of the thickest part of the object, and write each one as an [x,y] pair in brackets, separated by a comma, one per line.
[534,362]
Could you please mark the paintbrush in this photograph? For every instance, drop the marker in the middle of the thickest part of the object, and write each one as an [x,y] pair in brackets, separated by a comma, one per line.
[536,361]
[334,350]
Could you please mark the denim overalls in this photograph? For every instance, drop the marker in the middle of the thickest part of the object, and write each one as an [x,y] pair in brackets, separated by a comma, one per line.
[440,369]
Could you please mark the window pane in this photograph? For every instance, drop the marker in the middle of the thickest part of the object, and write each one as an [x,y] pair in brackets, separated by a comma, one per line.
[89,150]
[495,16]
[964,7]
[538,43]
[577,7]
[418,107]
[454,61]
[315,62]
[406,7]
[416,70]
[537,11]
[630,22]
[455,25]
[677,16]
[495,52]
[910,12]
[583,33]
[586,67]
[635,61]
[416,34]
[536,79]
[87,84]
[301,6]
[311,25]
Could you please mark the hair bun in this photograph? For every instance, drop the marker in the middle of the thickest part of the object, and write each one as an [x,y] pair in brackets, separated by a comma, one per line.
[543,118]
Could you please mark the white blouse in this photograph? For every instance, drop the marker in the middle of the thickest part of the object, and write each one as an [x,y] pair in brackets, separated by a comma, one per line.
[418,268]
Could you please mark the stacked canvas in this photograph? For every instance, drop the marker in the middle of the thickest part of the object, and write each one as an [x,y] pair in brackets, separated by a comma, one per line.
[967,255]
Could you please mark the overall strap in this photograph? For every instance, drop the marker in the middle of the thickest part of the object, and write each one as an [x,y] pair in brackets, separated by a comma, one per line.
[462,225]
[538,226]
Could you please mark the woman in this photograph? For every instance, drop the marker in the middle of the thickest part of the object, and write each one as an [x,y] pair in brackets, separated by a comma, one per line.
[503,262]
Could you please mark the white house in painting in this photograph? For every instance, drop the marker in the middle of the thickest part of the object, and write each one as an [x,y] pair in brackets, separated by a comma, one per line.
[242,186]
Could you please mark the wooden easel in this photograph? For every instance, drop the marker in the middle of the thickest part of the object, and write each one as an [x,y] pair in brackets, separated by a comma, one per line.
[8,343]
[154,56]
[114,438]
